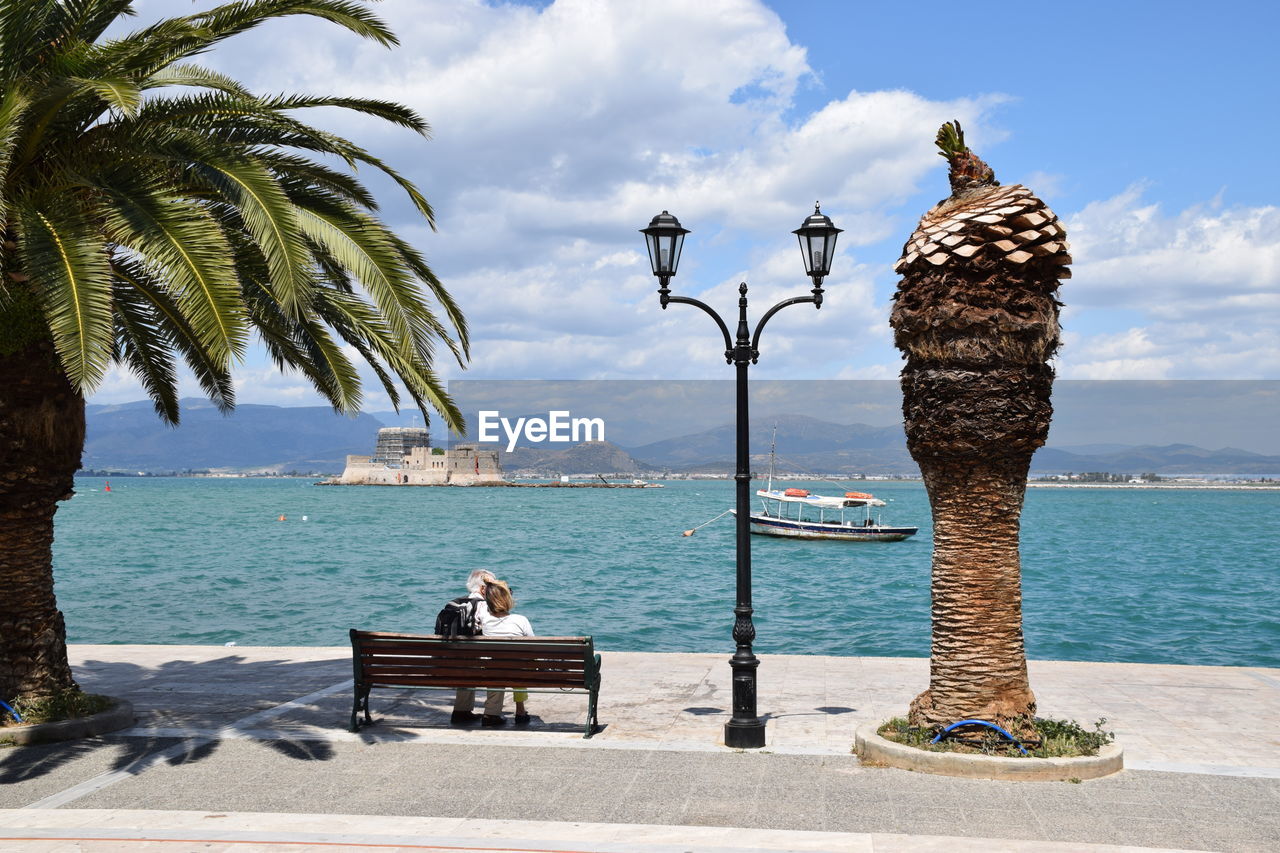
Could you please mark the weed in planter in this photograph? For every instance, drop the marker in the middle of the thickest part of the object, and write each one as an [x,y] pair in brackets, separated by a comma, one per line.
[64,705]
[1058,739]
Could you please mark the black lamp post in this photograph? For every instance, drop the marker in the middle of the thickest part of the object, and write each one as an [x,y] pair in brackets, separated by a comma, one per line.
[665,239]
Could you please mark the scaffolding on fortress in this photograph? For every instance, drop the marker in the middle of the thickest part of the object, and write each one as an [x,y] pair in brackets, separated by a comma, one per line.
[395,443]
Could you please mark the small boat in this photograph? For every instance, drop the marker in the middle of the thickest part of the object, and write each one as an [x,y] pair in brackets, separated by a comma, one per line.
[800,515]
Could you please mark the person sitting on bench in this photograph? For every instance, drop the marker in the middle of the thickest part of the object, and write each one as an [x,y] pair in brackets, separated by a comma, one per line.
[497,620]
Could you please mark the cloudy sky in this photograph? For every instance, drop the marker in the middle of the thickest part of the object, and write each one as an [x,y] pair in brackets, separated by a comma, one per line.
[560,128]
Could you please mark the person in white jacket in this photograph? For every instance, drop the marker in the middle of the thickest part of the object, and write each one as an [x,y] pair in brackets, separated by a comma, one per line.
[497,620]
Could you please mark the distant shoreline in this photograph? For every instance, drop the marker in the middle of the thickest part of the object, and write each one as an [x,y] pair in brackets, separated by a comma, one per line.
[1241,487]
[1223,486]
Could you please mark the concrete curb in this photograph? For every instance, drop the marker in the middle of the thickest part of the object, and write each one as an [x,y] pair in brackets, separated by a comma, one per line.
[873,749]
[111,720]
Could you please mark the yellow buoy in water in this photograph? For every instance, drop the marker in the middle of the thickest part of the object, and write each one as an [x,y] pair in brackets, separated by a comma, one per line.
[688,533]
[281,518]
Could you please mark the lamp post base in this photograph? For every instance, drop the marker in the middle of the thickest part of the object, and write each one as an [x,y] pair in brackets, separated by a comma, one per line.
[748,735]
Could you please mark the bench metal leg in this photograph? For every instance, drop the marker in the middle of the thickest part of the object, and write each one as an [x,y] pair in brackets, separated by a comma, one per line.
[361,702]
[593,722]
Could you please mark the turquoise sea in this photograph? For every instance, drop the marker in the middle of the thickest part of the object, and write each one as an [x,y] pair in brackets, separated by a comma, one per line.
[1142,575]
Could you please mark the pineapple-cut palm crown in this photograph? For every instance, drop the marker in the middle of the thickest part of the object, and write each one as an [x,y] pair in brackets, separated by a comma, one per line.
[968,171]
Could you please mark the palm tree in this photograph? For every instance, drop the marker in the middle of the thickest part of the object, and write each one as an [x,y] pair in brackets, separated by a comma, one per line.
[977,317]
[153,209]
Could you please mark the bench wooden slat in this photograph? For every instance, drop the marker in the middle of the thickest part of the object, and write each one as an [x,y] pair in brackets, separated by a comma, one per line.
[475,655]
[472,654]
[492,667]
[465,680]
[371,668]
[377,671]
[452,669]
[474,648]
[409,641]
[373,641]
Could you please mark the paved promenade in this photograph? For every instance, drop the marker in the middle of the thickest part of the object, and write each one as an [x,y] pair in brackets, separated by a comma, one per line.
[247,747]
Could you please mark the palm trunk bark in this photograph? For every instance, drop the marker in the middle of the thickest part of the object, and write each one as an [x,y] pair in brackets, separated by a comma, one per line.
[41,438]
[973,433]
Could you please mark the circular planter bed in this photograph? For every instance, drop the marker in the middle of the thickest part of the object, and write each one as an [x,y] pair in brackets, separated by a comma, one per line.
[115,718]
[874,749]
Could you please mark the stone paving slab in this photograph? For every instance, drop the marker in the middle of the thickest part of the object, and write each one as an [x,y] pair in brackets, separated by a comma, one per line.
[108,831]
[745,790]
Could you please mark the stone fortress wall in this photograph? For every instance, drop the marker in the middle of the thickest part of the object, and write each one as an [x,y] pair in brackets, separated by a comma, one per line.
[463,465]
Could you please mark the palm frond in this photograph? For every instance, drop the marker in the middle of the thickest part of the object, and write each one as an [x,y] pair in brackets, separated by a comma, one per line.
[305,345]
[950,140]
[414,260]
[153,47]
[176,39]
[72,278]
[117,92]
[355,244]
[23,36]
[388,110]
[302,178]
[185,242]
[210,371]
[356,320]
[86,20]
[231,19]
[196,76]
[13,105]
[268,215]
[147,349]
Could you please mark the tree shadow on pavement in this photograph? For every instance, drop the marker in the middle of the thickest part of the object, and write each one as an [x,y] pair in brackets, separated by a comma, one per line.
[197,694]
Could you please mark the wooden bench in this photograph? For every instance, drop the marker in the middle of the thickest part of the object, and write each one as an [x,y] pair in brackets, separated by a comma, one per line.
[536,664]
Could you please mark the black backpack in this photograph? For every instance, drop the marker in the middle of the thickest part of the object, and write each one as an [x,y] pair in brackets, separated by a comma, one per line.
[458,618]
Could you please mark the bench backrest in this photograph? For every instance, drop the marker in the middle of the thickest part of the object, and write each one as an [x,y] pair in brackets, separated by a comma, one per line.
[411,660]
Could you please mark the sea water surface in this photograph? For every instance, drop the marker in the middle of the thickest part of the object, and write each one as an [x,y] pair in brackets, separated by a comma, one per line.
[1144,575]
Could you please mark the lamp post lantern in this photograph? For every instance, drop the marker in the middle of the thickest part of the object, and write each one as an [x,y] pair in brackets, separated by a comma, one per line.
[665,239]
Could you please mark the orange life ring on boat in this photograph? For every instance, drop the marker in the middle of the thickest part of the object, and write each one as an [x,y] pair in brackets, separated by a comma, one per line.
[797,493]
[859,495]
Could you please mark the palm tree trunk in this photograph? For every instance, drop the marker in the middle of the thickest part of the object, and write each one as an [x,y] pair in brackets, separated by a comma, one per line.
[973,433]
[41,439]
[977,665]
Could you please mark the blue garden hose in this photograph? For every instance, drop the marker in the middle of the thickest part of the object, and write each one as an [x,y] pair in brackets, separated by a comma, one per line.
[9,708]
[981,723]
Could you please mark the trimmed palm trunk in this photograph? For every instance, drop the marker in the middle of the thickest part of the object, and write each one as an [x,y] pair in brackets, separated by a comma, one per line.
[41,436]
[977,317]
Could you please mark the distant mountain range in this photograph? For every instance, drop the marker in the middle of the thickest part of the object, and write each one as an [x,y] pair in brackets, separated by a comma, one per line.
[129,437]
[589,457]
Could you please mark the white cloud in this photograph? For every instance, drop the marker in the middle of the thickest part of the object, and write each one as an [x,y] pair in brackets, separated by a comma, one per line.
[1205,281]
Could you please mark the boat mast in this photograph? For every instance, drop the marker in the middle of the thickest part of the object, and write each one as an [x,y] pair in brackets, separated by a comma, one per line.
[773,446]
